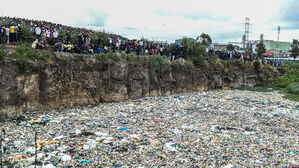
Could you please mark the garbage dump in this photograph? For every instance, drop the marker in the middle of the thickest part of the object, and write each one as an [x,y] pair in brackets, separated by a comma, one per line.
[222,128]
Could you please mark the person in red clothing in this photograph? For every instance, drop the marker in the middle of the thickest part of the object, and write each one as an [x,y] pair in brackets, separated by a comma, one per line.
[151,52]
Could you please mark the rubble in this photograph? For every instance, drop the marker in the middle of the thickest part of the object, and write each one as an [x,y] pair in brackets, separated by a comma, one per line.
[223,128]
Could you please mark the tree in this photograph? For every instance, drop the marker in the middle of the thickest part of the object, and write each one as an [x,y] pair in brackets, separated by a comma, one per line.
[62,35]
[75,37]
[230,47]
[26,34]
[194,51]
[99,38]
[5,22]
[260,49]
[204,39]
[295,48]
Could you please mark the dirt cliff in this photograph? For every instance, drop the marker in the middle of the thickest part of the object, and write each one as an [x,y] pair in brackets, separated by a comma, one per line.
[48,85]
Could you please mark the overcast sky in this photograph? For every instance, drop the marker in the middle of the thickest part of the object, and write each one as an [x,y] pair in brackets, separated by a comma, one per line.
[168,20]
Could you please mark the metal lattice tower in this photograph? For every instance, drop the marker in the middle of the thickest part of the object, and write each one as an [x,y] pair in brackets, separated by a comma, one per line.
[278,31]
[246,32]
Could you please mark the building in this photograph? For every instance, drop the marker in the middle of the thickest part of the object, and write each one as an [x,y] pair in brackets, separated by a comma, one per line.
[218,47]
[223,47]
[280,49]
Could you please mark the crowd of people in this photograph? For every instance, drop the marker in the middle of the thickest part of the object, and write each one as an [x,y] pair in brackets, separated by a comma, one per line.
[232,54]
[47,34]
[61,38]
[9,34]
[277,64]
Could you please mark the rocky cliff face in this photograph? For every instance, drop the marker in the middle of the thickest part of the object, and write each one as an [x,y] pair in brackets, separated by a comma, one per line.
[89,82]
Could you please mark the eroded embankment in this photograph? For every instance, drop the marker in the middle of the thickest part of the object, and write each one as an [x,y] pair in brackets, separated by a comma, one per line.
[89,80]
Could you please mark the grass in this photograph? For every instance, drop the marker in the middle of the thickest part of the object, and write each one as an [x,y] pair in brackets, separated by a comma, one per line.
[24,53]
[2,53]
[294,97]
[78,57]
[288,84]
[109,56]
[6,114]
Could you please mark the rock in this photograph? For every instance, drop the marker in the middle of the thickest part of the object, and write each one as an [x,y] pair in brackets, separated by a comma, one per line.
[53,85]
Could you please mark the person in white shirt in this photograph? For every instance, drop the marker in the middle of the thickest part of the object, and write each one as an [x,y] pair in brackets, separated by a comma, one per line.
[55,35]
[48,34]
[38,32]
[7,34]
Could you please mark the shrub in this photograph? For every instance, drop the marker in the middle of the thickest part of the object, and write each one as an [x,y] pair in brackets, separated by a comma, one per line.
[113,56]
[26,34]
[78,57]
[194,51]
[5,22]
[109,56]
[22,62]
[257,66]
[129,58]
[101,57]
[199,61]
[2,53]
[291,76]
[99,38]
[62,35]
[236,63]
[24,53]
[293,88]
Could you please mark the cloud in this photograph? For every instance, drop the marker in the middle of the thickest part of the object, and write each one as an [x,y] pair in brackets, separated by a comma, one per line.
[227,36]
[290,15]
[199,16]
[94,18]
[131,28]
[189,15]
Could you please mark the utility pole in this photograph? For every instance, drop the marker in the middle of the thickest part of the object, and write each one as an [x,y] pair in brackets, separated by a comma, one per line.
[246,32]
[277,44]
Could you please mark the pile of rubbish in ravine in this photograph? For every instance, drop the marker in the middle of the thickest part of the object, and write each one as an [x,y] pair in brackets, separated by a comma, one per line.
[222,128]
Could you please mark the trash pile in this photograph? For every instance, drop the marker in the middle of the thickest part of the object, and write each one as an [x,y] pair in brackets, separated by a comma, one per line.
[223,128]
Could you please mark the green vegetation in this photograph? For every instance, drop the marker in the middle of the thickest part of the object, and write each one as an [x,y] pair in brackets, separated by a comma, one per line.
[287,83]
[78,57]
[291,75]
[24,53]
[257,66]
[26,35]
[293,88]
[194,52]
[260,49]
[204,39]
[295,49]
[2,53]
[135,59]
[109,56]
[230,47]
[5,23]
[62,35]
[6,116]
[158,61]
[99,38]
